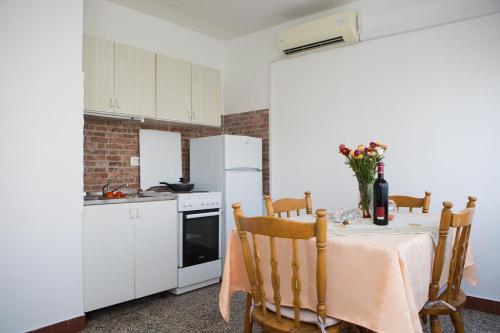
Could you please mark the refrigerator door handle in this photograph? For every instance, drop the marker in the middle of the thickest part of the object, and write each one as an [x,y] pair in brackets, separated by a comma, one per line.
[244,169]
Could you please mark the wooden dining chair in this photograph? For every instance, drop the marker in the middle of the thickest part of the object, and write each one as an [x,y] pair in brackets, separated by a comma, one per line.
[412,202]
[274,317]
[288,205]
[452,300]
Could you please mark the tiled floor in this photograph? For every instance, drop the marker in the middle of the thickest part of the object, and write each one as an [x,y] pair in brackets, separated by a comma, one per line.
[198,311]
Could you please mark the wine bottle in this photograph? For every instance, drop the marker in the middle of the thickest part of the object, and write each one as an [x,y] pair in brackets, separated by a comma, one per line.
[380,198]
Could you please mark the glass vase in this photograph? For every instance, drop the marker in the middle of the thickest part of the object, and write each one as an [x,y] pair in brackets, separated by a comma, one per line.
[365,199]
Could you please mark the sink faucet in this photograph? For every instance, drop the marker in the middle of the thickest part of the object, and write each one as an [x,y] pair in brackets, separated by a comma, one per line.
[119,187]
[105,189]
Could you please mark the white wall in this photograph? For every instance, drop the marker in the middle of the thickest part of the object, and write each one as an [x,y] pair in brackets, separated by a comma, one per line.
[247,59]
[431,95]
[110,21]
[41,178]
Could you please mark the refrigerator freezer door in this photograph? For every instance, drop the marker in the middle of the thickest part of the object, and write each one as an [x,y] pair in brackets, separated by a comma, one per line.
[244,187]
[206,163]
[242,152]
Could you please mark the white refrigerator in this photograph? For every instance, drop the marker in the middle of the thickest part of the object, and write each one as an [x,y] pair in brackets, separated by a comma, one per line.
[230,164]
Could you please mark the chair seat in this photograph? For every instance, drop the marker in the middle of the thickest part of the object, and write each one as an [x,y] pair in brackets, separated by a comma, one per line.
[306,316]
[442,309]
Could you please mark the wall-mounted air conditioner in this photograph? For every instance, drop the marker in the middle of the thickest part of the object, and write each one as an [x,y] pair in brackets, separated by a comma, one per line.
[333,31]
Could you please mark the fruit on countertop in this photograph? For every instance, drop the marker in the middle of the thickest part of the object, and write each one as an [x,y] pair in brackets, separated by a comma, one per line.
[114,195]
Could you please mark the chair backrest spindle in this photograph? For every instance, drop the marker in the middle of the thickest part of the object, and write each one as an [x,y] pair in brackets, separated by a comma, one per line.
[258,271]
[296,282]
[275,277]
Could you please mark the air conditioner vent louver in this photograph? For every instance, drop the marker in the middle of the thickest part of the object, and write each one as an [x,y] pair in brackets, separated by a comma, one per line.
[314,45]
[330,31]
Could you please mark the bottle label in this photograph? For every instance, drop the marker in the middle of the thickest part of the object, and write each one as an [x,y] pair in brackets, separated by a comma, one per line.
[380,167]
[380,213]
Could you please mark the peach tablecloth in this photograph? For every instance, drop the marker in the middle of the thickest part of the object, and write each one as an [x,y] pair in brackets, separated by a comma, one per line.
[379,281]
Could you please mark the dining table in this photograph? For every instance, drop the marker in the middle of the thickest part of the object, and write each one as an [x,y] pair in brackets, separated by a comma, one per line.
[377,276]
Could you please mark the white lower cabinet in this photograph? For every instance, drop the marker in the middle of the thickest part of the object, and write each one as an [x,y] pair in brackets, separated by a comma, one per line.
[108,255]
[129,251]
[155,247]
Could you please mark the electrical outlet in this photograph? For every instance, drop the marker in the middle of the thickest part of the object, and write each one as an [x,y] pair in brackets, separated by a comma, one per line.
[134,161]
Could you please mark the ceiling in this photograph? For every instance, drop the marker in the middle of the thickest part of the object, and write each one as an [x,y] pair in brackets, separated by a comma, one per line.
[228,19]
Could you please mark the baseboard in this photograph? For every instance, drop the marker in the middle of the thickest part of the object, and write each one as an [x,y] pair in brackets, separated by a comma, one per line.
[74,325]
[483,305]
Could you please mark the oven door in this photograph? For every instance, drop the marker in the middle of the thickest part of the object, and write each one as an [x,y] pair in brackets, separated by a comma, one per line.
[200,237]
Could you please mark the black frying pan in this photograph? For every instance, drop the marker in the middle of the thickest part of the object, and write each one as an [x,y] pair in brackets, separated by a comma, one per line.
[182,186]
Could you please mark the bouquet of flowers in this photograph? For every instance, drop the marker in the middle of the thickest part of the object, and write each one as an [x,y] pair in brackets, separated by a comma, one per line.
[363,161]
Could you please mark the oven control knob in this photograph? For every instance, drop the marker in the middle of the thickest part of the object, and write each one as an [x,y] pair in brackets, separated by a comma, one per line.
[202,204]
[190,205]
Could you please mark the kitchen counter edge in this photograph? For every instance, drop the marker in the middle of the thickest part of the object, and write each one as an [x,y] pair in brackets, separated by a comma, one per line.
[126,200]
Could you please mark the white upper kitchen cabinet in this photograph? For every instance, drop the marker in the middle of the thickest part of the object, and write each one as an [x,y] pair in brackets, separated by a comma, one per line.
[173,89]
[206,95]
[134,81]
[155,247]
[108,255]
[129,81]
[98,66]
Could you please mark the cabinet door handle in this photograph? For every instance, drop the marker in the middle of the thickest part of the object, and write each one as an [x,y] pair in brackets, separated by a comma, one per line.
[116,103]
[194,114]
[130,214]
[111,102]
[137,213]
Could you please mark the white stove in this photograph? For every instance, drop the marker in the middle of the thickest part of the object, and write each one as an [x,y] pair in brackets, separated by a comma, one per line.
[199,240]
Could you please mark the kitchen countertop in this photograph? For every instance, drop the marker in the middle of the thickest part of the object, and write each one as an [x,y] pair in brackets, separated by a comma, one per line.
[131,199]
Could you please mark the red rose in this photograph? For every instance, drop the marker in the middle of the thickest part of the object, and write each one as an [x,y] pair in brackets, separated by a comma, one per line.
[345,151]
[340,148]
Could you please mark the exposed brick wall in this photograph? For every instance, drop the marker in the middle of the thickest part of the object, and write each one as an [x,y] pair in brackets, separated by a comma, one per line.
[109,144]
[256,124]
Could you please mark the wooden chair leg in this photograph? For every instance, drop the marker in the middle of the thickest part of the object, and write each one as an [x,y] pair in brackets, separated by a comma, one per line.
[456,318]
[435,325]
[248,321]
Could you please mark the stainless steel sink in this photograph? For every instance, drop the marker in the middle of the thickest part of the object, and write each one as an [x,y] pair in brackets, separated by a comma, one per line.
[129,196]
[140,195]
[97,199]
